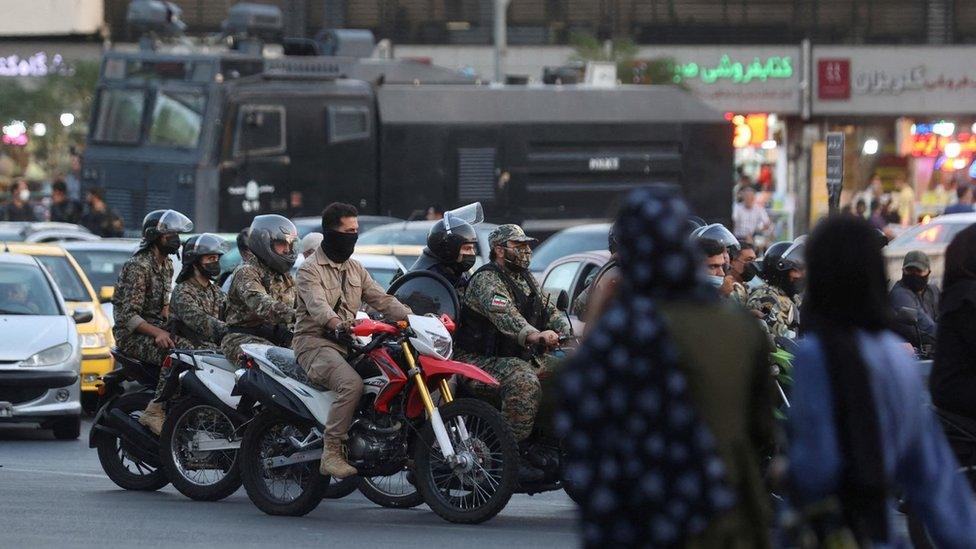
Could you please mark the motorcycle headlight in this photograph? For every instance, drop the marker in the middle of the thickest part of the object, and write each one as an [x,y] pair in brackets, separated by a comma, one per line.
[49,357]
[91,341]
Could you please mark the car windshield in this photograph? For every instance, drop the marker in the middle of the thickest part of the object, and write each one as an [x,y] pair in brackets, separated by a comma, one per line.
[102,267]
[66,277]
[566,243]
[396,235]
[24,290]
[931,233]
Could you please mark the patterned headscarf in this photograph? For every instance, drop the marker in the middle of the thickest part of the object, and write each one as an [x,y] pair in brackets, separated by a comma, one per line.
[638,452]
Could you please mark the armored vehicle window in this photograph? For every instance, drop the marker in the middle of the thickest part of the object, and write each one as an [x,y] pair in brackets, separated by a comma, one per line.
[119,116]
[347,123]
[260,130]
[177,119]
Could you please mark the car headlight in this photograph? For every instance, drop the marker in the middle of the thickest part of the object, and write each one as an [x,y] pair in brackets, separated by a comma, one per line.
[91,341]
[49,357]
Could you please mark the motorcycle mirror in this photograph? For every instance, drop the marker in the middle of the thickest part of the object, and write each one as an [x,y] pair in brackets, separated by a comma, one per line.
[562,302]
[472,214]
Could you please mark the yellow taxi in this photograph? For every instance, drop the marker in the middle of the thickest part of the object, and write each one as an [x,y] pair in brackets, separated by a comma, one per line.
[95,335]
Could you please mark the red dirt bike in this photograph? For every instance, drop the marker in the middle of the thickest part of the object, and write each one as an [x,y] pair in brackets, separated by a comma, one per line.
[461,450]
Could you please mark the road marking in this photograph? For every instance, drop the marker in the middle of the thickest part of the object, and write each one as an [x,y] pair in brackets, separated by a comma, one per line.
[50,472]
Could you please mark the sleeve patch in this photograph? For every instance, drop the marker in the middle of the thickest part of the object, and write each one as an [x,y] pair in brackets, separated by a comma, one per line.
[499,301]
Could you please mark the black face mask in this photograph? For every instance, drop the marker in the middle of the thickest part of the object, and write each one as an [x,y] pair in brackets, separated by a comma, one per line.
[210,270]
[750,271]
[339,246]
[169,244]
[914,282]
[463,266]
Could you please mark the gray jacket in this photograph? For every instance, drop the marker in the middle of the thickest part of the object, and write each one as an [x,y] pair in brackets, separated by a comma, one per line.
[927,305]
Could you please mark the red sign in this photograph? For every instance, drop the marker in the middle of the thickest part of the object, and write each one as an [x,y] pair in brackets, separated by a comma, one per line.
[834,79]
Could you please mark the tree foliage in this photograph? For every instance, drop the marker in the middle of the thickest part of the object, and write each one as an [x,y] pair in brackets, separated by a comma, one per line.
[623,52]
[42,100]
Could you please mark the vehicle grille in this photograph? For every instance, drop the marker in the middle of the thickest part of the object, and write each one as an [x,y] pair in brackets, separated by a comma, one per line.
[20,395]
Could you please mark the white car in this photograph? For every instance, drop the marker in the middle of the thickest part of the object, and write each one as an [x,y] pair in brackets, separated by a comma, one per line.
[40,355]
[932,238]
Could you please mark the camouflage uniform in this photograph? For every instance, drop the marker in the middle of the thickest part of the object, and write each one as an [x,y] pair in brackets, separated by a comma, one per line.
[257,296]
[141,294]
[520,390]
[195,312]
[740,293]
[780,313]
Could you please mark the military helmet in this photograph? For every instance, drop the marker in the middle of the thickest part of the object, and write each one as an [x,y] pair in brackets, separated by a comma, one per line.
[160,222]
[718,233]
[781,258]
[447,236]
[198,246]
[270,228]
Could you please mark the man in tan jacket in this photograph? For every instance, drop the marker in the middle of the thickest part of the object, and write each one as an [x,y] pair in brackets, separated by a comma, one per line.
[331,289]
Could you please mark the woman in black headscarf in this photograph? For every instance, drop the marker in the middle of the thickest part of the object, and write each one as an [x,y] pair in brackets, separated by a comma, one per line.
[666,405]
[860,430]
[953,379]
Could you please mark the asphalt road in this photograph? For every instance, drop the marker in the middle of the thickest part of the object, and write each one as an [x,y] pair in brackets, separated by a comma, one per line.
[54,494]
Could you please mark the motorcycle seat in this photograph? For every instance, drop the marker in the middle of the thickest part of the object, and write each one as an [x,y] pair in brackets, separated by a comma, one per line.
[285,360]
[218,361]
[128,360]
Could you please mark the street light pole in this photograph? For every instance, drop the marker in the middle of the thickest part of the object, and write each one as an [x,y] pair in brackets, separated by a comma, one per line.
[501,38]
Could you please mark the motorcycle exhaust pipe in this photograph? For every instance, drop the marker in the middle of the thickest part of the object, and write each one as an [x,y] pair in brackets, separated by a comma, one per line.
[142,443]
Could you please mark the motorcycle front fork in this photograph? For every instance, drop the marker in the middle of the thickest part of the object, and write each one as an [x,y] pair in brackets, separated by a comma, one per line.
[440,430]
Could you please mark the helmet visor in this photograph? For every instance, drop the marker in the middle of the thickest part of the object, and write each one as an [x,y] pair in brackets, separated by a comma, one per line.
[472,214]
[718,233]
[173,221]
[210,244]
[793,257]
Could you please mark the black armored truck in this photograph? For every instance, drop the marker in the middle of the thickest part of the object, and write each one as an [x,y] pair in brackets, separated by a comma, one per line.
[250,122]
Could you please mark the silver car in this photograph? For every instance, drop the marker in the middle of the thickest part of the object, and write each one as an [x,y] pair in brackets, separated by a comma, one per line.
[40,356]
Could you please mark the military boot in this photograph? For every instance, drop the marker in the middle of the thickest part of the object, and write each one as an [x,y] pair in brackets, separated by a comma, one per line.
[333,463]
[153,417]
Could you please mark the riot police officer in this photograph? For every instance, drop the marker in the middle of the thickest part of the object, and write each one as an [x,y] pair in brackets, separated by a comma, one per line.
[261,300]
[451,251]
[197,305]
[777,300]
[504,315]
[142,298]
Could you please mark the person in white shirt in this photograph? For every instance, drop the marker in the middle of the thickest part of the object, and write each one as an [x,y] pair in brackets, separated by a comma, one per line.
[749,218]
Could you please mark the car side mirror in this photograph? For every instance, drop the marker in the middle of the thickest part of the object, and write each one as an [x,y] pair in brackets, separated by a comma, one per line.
[562,302]
[106,293]
[907,315]
[82,316]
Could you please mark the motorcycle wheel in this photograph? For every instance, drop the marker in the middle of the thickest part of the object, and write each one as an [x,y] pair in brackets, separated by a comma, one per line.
[339,489]
[294,490]
[118,463]
[188,419]
[393,492]
[478,492]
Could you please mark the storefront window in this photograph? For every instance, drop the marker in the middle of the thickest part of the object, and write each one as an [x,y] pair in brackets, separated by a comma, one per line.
[177,119]
[119,115]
